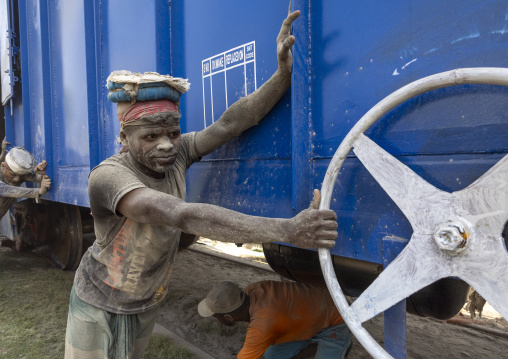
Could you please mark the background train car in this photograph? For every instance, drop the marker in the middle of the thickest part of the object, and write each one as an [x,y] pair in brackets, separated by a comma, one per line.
[347,57]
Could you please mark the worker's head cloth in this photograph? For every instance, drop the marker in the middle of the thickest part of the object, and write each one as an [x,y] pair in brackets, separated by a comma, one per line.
[20,161]
[139,95]
[136,111]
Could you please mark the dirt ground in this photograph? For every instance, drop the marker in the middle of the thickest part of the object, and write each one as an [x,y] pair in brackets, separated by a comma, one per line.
[195,273]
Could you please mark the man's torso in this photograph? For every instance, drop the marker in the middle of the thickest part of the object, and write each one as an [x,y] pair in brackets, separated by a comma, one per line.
[127,269]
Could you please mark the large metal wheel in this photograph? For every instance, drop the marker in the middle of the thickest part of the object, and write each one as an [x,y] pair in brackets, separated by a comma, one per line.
[454,234]
[65,238]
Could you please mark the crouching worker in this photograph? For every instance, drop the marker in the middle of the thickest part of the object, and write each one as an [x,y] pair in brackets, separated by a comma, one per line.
[284,318]
[18,167]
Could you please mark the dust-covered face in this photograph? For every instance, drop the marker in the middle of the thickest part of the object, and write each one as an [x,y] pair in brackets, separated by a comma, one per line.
[10,176]
[154,146]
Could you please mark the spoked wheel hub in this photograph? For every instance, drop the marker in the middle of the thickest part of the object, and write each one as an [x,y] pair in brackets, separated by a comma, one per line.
[454,234]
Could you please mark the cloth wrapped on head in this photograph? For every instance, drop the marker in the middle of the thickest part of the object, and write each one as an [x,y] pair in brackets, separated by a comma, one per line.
[143,92]
[127,86]
[20,161]
[139,95]
[130,114]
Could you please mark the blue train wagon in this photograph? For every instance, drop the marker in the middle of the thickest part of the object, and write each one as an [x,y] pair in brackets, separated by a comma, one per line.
[348,57]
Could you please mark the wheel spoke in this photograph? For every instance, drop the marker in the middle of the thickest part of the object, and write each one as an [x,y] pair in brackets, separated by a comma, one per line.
[418,265]
[485,268]
[422,203]
[452,235]
[486,200]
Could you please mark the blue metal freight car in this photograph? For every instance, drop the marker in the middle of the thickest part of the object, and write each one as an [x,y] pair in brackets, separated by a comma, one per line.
[348,56]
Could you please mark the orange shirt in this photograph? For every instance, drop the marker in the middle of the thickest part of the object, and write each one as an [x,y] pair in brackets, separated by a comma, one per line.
[282,312]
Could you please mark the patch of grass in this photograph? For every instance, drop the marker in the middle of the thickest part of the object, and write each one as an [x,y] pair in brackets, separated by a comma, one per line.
[34,305]
[207,326]
[162,347]
[34,301]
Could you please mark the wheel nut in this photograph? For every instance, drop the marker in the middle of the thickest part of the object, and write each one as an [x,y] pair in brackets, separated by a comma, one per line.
[452,236]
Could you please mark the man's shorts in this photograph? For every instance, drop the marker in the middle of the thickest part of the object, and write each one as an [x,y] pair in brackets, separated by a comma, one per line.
[93,333]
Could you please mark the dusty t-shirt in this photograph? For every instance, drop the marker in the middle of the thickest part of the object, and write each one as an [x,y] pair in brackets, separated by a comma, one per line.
[127,269]
[282,312]
[9,193]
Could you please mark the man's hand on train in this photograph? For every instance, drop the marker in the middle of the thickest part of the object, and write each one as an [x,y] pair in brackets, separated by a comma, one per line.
[5,144]
[45,185]
[284,43]
[313,228]
[40,169]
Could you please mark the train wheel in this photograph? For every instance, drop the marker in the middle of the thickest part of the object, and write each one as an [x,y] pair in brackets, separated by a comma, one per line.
[454,234]
[65,239]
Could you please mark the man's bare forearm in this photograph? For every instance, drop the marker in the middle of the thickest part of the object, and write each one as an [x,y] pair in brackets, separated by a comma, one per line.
[243,114]
[18,192]
[250,110]
[225,225]
[310,228]
[148,206]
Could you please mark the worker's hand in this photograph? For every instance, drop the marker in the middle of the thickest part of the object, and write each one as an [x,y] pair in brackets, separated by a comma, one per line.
[40,169]
[284,43]
[313,228]
[5,144]
[45,185]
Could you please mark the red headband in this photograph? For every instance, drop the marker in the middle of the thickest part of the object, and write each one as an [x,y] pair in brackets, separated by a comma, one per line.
[141,109]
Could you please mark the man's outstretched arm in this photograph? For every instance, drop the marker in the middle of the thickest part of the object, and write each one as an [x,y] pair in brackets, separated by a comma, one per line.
[250,110]
[18,192]
[311,228]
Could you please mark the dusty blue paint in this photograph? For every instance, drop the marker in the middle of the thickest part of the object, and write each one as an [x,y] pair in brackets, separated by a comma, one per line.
[93,43]
[347,57]
[301,113]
